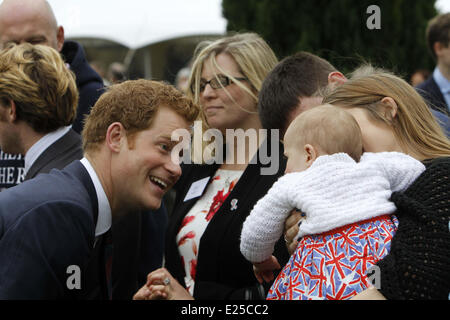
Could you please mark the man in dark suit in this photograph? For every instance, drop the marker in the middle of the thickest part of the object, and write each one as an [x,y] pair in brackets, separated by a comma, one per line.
[54,229]
[58,155]
[38,101]
[436,89]
[33,21]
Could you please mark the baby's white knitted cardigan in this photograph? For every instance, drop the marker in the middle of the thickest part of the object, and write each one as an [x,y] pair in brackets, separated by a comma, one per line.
[335,191]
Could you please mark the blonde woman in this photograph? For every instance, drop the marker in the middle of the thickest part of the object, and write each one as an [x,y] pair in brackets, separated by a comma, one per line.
[393,117]
[203,259]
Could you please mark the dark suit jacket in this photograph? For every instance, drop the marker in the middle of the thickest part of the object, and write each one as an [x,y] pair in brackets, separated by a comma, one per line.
[138,237]
[430,91]
[222,271]
[61,153]
[47,224]
[138,250]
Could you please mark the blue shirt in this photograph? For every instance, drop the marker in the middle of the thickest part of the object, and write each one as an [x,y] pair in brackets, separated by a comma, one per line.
[443,84]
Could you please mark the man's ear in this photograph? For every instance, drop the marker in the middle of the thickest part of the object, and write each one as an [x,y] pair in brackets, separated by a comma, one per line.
[390,107]
[60,38]
[311,154]
[11,112]
[336,78]
[437,47]
[115,137]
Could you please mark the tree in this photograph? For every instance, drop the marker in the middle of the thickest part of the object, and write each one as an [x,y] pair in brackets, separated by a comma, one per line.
[338,31]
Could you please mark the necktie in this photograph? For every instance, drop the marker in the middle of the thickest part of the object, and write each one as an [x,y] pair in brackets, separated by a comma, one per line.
[108,259]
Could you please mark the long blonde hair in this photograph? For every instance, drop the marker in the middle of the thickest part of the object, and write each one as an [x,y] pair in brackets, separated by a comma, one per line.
[414,126]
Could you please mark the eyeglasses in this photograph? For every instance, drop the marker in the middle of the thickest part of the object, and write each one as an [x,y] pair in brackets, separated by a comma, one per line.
[218,82]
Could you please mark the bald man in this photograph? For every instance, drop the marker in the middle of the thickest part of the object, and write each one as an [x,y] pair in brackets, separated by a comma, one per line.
[33,21]
[30,21]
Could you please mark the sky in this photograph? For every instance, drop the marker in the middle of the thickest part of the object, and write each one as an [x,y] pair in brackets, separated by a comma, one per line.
[135,23]
[443,5]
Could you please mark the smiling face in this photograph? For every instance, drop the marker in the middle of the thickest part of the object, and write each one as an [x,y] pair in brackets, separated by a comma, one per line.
[144,170]
[230,107]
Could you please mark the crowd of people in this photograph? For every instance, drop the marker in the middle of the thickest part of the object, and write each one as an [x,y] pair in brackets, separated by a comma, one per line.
[357,207]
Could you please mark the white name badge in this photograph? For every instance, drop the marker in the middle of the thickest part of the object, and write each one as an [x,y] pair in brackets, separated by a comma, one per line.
[196,189]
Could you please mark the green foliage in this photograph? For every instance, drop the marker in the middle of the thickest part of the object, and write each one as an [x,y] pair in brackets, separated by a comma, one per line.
[336,30]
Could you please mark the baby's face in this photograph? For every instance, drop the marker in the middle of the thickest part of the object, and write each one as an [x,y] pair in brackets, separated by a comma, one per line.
[296,157]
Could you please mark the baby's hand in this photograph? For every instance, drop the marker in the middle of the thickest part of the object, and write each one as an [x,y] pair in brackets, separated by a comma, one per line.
[264,270]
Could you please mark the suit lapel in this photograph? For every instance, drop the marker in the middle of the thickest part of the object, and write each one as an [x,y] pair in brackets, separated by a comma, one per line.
[53,152]
[197,173]
[240,196]
[240,201]
[93,279]
[433,95]
[437,91]
[77,169]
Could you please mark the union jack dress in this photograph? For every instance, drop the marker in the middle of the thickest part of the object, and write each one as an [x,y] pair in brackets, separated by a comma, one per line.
[333,265]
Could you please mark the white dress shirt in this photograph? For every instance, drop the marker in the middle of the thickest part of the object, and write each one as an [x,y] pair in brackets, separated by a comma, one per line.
[104,209]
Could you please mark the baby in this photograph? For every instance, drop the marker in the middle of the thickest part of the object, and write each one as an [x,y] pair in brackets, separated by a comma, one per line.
[345,197]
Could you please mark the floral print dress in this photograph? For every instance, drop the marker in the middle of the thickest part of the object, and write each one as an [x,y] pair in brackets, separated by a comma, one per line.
[198,218]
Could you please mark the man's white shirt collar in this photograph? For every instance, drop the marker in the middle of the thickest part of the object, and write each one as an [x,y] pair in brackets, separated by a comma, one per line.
[442,82]
[104,209]
[42,144]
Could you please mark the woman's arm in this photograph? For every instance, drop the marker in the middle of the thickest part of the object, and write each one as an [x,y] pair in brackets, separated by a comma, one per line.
[418,262]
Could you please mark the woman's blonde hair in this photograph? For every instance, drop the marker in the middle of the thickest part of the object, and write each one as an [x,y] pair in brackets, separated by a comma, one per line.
[414,125]
[40,84]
